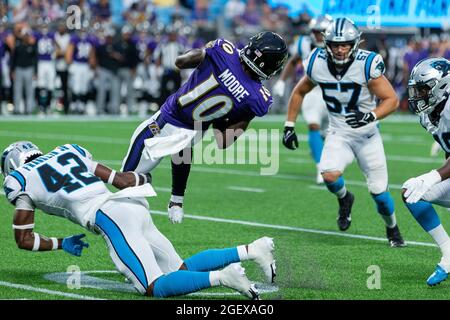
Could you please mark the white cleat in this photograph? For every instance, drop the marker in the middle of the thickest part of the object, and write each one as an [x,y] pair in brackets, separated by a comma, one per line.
[233,276]
[261,251]
[175,213]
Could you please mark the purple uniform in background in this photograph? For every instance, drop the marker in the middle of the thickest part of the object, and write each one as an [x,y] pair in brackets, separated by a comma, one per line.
[143,45]
[218,89]
[45,46]
[82,47]
[414,56]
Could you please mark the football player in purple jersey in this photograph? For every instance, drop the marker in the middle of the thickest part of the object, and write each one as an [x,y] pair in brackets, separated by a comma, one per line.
[224,91]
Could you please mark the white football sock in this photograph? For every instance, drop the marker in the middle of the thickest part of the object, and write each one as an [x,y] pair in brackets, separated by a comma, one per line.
[176,199]
[390,221]
[214,278]
[341,192]
[242,252]
[442,239]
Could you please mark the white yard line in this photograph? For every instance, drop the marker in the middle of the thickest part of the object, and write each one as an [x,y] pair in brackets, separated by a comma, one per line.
[301,159]
[246,189]
[278,118]
[46,291]
[250,173]
[279,227]
[162,189]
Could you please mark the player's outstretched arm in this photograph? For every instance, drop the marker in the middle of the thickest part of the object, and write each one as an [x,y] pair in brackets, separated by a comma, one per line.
[26,239]
[288,71]
[383,90]
[304,86]
[121,180]
[190,59]
[225,137]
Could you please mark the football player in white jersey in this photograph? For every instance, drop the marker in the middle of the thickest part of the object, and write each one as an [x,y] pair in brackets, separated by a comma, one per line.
[429,90]
[351,80]
[314,109]
[66,182]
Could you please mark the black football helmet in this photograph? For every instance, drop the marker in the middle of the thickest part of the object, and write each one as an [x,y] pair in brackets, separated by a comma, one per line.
[265,54]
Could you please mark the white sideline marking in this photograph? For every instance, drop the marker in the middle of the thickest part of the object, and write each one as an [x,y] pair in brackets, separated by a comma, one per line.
[278,227]
[416,139]
[250,173]
[303,159]
[278,118]
[245,189]
[51,292]
[162,189]
[314,186]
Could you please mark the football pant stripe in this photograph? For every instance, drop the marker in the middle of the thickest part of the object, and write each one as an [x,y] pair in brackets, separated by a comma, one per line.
[121,247]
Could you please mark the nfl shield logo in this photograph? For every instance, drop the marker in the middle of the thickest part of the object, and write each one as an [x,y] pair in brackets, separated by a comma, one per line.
[154,128]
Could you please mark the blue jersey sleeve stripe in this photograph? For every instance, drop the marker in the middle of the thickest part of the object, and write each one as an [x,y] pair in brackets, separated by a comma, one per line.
[121,246]
[368,65]
[79,149]
[311,62]
[19,177]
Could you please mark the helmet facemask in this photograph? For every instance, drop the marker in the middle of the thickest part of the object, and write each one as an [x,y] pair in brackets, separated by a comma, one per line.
[350,56]
[420,98]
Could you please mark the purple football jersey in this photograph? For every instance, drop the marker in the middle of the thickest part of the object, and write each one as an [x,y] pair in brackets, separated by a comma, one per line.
[218,89]
[45,46]
[82,48]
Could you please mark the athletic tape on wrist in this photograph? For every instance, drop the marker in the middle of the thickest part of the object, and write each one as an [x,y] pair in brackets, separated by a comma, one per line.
[136,176]
[37,242]
[55,243]
[111,176]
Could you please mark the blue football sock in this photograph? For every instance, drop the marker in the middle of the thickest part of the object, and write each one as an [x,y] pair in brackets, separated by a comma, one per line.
[180,282]
[425,214]
[315,144]
[385,207]
[337,187]
[212,259]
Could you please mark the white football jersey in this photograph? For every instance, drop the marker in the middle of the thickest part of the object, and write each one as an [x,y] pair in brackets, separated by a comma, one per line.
[302,47]
[60,183]
[441,132]
[347,91]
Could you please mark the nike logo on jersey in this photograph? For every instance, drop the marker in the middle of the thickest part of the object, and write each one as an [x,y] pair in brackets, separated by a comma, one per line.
[233,85]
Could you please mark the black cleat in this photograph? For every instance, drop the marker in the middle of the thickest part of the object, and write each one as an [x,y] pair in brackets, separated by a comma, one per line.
[345,209]
[395,238]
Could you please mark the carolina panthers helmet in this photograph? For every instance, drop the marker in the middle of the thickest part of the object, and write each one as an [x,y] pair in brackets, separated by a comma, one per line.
[17,154]
[342,31]
[319,24]
[265,54]
[428,85]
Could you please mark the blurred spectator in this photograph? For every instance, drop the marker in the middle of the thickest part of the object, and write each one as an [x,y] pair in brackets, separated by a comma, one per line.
[101,11]
[62,40]
[165,55]
[233,9]
[23,68]
[80,56]
[46,72]
[109,61]
[128,64]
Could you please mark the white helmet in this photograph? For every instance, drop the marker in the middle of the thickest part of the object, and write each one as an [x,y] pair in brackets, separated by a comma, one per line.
[17,154]
[429,84]
[319,24]
[342,31]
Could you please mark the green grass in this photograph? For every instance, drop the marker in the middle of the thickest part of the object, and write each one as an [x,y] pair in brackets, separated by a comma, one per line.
[309,265]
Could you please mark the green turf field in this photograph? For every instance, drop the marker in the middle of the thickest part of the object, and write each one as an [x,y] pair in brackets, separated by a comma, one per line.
[227,205]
